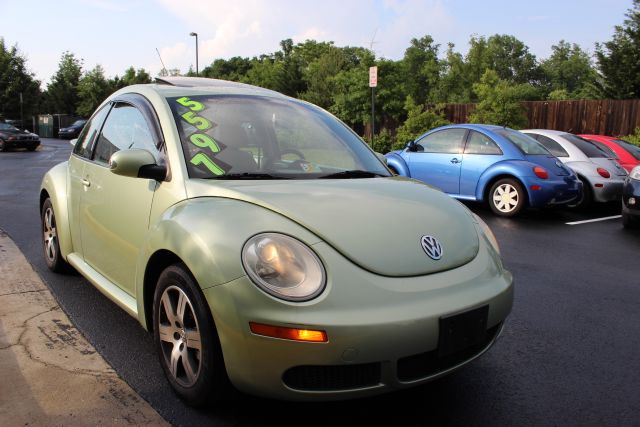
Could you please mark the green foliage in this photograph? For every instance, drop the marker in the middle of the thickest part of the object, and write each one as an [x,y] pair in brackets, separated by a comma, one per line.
[383,141]
[568,72]
[16,80]
[93,88]
[422,68]
[619,58]
[634,138]
[499,102]
[63,90]
[418,122]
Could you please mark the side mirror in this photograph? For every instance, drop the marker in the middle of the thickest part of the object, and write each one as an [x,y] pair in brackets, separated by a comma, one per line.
[381,157]
[137,163]
[73,142]
[411,146]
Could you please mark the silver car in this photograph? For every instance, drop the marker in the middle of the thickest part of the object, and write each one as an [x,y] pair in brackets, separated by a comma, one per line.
[601,175]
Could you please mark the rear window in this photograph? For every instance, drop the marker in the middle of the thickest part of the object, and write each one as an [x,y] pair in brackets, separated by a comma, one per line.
[634,150]
[590,149]
[525,143]
[605,148]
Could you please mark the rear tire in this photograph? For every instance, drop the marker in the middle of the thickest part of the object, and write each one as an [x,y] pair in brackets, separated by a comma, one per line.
[50,242]
[186,339]
[507,197]
[586,199]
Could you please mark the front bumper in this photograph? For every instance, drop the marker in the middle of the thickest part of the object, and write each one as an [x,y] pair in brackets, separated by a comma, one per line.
[20,143]
[552,192]
[383,332]
[631,190]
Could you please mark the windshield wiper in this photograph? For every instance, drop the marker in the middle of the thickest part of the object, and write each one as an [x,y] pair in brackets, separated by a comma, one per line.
[353,174]
[249,175]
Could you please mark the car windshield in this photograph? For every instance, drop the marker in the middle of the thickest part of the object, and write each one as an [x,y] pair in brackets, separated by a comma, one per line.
[258,137]
[589,149]
[634,150]
[7,126]
[525,143]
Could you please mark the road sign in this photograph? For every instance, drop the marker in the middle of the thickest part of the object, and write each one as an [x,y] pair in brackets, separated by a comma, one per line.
[373,76]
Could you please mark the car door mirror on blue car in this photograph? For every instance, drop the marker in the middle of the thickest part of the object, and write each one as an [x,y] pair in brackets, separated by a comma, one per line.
[412,146]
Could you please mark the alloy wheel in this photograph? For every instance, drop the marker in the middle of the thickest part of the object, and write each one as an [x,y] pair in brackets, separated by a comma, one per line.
[179,335]
[506,198]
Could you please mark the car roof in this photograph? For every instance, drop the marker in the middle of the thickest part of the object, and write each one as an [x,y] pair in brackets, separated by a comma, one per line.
[170,86]
[546,132]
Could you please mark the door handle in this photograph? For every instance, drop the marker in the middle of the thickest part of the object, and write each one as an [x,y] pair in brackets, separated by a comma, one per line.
[86,182]
[455,160]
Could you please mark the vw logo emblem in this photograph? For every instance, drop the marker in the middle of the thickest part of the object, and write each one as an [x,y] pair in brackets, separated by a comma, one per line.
[431,247]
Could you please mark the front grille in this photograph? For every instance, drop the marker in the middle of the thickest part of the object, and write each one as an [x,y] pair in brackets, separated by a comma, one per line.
[338,377]
[422,365]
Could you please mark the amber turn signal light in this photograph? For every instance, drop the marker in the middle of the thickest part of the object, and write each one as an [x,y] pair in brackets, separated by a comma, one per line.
[294,334]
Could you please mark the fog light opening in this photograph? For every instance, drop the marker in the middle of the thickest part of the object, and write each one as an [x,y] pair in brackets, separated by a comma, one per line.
[294,334]
[599,185]
[632,201]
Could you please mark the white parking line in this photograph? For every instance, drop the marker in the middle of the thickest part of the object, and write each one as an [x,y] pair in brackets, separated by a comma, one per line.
[606,218]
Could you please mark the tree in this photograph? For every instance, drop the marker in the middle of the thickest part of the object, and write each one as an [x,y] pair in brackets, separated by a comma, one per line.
[455,84]
[422,68]
[619,59]
[234,69]
[16,81]
[499,102]
[93,88]
[568,72]
[506,55]
[62,92]
[418,122]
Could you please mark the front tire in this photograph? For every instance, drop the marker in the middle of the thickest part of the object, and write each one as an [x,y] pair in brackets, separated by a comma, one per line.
[629,222]
[507,197]
[186,339]
[50,243]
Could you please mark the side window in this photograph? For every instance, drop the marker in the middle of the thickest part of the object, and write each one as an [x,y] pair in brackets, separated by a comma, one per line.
[555,148]
[124,129]
[478,143]
[444,141]
[89,133]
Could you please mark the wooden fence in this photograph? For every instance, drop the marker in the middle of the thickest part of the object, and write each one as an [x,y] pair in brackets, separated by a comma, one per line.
[604,117]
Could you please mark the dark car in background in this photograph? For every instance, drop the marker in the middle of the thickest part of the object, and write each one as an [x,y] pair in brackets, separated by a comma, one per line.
[12,137]
[631,199]
[73,130]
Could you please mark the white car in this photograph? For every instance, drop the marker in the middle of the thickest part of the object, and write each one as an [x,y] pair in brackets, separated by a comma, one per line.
[601,175]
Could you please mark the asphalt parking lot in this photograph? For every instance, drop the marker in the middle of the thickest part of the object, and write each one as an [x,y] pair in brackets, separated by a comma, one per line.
[569,355]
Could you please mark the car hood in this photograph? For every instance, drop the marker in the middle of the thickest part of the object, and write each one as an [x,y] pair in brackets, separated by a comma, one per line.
[376,223]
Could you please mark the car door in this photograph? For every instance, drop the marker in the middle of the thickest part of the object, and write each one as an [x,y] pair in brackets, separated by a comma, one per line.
[480,152]
[438,159]
[80,157]
[114,210]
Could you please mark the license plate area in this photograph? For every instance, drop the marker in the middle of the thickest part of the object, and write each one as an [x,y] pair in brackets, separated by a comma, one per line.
[462,330]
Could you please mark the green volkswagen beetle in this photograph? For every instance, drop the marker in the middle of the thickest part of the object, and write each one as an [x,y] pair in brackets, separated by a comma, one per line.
[266,247]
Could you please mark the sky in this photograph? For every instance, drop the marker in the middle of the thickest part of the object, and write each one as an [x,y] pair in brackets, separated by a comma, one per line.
[117,34]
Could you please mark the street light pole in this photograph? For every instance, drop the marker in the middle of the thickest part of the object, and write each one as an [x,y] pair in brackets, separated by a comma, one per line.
[196,36]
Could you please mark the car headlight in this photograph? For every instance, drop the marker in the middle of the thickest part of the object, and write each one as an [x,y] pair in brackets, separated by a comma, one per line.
[487,232]
[635,173]
[283,267]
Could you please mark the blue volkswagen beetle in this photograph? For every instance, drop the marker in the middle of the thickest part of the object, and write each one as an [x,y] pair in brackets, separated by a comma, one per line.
[499,165]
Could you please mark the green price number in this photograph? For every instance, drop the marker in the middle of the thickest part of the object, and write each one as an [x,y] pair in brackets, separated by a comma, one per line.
[203,159]
[190,103]
[204,141]
[199,122]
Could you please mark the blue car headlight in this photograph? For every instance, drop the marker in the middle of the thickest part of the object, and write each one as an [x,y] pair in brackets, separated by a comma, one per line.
[283,267]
